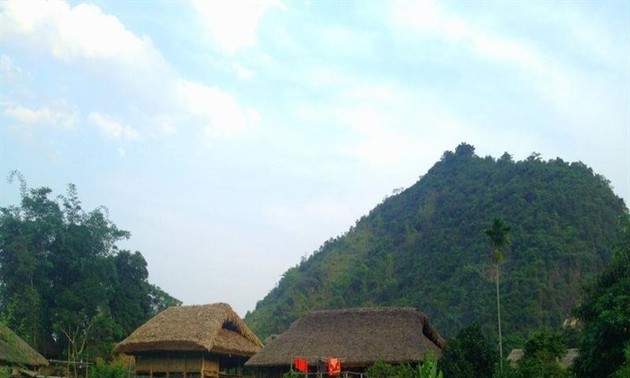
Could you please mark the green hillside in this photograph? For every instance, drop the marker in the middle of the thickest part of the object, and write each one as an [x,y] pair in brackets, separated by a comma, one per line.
[425,247]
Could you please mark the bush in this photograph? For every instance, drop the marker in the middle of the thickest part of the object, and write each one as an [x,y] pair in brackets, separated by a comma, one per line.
[381,369]
[292,374]
[542,353]
[108,370]
[427,369]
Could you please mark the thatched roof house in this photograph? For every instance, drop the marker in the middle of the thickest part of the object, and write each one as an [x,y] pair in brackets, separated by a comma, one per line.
[191,341]
[565,362]
[15,352]
[359,336]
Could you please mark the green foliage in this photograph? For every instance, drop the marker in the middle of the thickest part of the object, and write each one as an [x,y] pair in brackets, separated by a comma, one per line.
[161,300]
[292,374]
[64,285]
[605,312]
[545,346]
[499,234]
[469,355]
[532,368]
[425,247]
[541,358]
[380,369]
[109,370]
[427,369]
[624,370]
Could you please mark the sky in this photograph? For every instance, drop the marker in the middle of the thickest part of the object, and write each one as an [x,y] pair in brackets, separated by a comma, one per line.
[233,138]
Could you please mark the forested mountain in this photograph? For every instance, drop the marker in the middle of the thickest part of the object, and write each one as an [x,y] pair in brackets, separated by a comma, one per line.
[425,247]
[65,287]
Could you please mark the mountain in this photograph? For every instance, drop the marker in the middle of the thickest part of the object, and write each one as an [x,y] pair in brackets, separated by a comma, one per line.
[425,247]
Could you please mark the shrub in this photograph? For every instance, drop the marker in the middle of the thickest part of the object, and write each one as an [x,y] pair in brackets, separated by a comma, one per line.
[108,370]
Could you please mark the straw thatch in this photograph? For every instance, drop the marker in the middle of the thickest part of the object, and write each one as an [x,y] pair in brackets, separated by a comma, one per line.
[14,350]
[566,361]
[359,337]
[212,328]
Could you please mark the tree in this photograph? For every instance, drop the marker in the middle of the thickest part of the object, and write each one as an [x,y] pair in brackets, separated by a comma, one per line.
[64,285]
[132,302]
[27,235]
[542,353]
[605,312]
[469,355]
[624,370]
[498,232]
[161,300]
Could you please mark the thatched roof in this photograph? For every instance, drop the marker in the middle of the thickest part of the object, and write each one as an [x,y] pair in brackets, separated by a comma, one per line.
[358,336]
[14,350]
[566,361]
[212,328]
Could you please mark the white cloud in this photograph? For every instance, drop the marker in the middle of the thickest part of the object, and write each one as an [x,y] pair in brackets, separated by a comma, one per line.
[577,93]
[71,33]
[429,19]
[57,115]
[233,24]
[113,129]
[393,124]
[242,72]
[132,67]
[7,69]
[165,124]
[220,112]
[383,143]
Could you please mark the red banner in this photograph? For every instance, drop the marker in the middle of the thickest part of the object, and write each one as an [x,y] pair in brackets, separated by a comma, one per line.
[334,367]
[301,365]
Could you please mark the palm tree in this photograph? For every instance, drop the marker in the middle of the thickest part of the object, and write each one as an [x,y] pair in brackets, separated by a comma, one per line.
[498,232]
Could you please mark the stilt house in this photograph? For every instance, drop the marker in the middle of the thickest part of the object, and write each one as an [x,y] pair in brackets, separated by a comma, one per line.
[358,337]
[191,342]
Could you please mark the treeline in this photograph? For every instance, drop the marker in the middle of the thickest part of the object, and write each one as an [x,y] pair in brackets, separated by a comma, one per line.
[425,247]
[65,287]
[601,333]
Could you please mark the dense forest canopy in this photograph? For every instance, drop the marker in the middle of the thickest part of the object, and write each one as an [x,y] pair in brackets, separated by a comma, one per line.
[425,247]
[65,287]
[604,312]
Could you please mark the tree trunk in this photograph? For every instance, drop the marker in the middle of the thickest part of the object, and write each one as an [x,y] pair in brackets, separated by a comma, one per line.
[499,319]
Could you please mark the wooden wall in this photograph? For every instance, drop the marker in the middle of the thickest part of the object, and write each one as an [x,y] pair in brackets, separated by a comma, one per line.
[177,365]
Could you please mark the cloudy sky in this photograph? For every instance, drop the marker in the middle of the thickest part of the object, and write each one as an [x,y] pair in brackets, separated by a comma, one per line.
[233,138]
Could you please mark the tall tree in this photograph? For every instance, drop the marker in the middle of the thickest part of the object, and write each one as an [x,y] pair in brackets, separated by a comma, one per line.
[499,234]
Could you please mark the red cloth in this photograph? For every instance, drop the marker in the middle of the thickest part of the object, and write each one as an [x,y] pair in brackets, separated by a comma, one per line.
[334,367]
[301,365]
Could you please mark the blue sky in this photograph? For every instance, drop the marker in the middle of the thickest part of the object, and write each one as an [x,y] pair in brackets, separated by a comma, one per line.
[233,138]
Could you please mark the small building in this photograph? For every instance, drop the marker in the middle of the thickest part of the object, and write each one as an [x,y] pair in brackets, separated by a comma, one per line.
[17,355]
[358,337]
[191,342]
